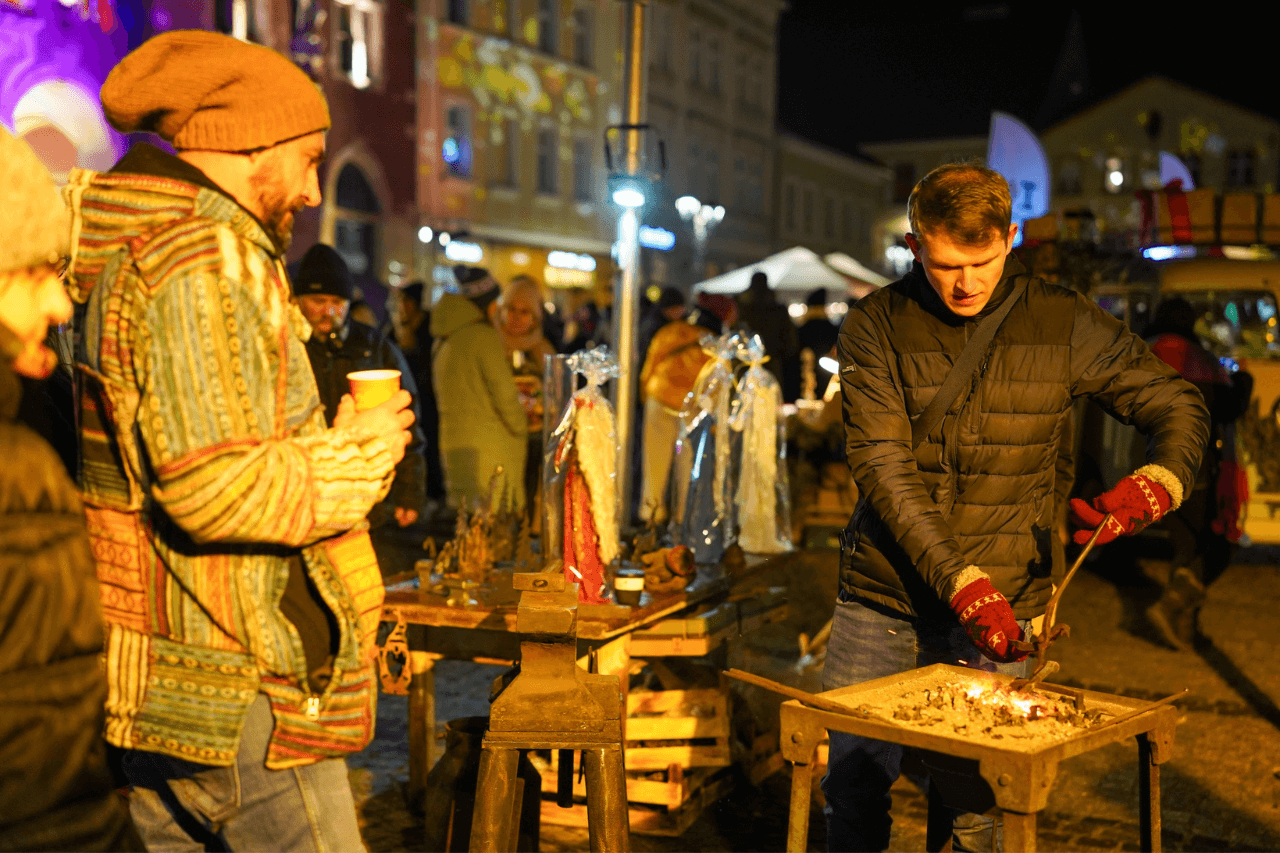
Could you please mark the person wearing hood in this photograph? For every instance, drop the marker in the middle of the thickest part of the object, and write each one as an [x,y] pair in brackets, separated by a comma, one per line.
[56,790]
[240,590]
[339,345]
[483,427]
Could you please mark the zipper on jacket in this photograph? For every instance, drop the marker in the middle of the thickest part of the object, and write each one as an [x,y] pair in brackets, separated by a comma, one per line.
[311,707]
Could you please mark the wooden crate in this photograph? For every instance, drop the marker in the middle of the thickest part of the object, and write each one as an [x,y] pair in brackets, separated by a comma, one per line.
[700,789]
[699,634]
[672,788]
[661,729]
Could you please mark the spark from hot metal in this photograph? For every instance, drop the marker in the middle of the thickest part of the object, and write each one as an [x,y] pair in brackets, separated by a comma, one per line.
[962,662]
[891,631]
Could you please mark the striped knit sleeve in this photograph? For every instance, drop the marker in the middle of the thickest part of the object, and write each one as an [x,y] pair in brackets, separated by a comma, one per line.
[214,373]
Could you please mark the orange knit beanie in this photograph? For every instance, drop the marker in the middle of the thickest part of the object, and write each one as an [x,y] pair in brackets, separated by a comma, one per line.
[209,92]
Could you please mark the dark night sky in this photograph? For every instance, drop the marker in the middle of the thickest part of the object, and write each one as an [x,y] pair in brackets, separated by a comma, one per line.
[853,72]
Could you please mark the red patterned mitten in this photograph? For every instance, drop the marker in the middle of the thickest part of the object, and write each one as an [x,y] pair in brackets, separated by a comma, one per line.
[987,616]
[1137,501]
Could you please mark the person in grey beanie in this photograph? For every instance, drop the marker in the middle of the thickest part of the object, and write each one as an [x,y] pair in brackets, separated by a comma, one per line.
[56,792]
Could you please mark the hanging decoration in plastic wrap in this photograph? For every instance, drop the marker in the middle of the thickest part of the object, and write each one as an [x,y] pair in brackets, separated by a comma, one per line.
[586,451]
[706,457]
[763,499]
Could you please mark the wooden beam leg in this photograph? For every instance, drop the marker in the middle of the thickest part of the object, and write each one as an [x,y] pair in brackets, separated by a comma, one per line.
[495,789]
[798,820]
[422,726]
[1149,823]
[1019,831]
[608,821]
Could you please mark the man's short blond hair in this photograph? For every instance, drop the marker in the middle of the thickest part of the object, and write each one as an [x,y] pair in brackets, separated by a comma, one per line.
[966,200]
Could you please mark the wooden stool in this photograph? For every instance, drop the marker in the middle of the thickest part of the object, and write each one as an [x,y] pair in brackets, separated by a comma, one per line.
[552,704]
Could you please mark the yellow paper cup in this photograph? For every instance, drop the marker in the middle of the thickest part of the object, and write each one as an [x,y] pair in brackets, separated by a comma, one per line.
[371,387]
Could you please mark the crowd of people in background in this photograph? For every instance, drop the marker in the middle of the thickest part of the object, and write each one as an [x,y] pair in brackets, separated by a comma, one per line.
[243,513]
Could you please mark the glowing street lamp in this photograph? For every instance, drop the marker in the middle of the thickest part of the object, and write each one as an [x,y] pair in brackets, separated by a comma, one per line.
[704,218]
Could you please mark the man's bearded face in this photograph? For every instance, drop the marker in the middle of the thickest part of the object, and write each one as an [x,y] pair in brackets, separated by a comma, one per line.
[285,180]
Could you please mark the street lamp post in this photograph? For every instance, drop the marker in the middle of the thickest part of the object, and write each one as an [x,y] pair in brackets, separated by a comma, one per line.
[704,218]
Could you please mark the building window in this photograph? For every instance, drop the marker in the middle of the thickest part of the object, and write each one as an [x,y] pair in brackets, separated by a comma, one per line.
[583,37]
[505,171]
[695,57]
[549,26]
[829,218]
[548,142]
[1193,163]
[458,12]
[234,18]
[711,175]
[904,181]
[789,207]
[807,215]
[755,198]
[581,170]
[1239,168]
[695,171]
[1113,175]
[456,149]
[358,38]
[661,56]
[713,65]
[1069,182]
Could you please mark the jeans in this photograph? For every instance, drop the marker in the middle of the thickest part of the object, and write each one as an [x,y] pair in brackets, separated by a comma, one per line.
[868,642]
[182,806]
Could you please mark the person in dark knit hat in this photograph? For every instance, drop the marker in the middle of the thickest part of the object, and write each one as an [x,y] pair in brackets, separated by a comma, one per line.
[339,345]
[483,427]
[56,792]
[221,500]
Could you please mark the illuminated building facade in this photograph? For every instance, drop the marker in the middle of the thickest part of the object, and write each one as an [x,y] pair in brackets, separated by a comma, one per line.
[513,100]
[712,98]
[827,201]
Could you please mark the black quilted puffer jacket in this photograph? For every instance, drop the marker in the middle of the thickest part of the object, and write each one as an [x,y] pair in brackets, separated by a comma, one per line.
[980,488]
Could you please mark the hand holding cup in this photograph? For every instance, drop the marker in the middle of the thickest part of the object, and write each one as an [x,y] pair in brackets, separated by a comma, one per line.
[378,405]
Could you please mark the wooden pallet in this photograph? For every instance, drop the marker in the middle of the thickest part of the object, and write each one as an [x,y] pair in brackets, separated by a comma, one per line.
[669,788]
[699,634]
[665,720]
[651,819]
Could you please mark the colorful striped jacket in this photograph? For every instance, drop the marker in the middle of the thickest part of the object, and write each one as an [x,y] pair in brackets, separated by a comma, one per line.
[206,468]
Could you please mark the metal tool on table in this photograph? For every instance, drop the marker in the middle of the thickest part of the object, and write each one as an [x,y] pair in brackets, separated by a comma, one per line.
[1050,631]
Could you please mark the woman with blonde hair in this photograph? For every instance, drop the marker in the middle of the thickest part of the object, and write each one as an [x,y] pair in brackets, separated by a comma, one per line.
[520,325]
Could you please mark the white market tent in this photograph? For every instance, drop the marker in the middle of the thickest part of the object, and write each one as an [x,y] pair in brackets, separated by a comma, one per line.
[795,272]
[846,265]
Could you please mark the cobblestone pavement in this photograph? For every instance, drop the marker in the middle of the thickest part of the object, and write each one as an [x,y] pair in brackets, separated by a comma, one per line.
[1221,790]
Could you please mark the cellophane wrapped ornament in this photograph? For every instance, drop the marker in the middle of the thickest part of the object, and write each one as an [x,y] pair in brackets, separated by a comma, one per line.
[763,498]
[585,457]
[706,456]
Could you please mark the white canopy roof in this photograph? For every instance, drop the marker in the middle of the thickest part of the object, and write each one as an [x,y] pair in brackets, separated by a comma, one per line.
[846,265]
[797,271]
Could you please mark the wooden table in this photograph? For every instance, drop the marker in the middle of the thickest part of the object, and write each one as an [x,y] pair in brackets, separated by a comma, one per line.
[430,630]
[975,776]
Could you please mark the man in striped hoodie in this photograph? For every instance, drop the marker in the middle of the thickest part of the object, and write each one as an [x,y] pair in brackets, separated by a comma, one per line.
[239,587]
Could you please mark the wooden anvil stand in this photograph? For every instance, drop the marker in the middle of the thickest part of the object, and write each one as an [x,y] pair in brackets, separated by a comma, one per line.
[552,704]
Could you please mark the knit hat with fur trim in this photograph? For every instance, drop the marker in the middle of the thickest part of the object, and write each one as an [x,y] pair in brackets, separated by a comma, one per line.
[34,221]
[209,92]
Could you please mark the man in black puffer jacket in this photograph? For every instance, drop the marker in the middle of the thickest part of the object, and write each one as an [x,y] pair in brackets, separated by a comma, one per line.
[950,552]
[338,345]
